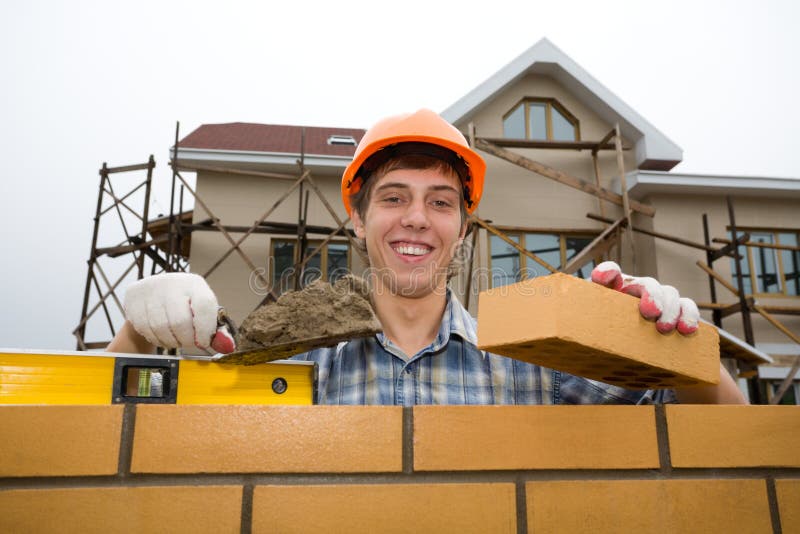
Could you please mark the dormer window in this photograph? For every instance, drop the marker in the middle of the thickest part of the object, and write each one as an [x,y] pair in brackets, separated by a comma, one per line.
[346,140]
[541,119]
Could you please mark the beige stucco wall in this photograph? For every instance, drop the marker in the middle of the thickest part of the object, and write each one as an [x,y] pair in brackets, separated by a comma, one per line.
[681,215]
[241,200]
[489,123]
[516,197]
[513,197]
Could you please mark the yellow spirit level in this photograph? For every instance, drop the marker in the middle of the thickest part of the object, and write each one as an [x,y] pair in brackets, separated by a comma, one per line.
[56,377]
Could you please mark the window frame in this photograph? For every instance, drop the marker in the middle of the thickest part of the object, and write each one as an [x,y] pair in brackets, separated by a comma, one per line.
[549,104]
[311,244]
[778,260]
[771,387]
[520,233]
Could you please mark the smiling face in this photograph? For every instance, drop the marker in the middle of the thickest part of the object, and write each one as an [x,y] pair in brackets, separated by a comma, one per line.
[411,225]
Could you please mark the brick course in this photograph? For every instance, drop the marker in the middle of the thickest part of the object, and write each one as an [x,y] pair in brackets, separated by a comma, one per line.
[261,439]
[431,468]
[734,436]
[648,506]
[59,440]
[788,494]
[534,437]
[212,509]
[386,508]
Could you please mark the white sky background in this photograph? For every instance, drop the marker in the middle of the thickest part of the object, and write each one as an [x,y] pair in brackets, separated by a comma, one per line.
[87,82]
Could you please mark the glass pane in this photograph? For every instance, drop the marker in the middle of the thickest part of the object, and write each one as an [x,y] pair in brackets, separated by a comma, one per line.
[765,264]
[547,247]
[563,130]
[514,124]
[313,268]
[505,261]
[337,261]
[575,245]
[791,263]
[282,266]
[790,397]
[537,124]
[744,265]
[146,381]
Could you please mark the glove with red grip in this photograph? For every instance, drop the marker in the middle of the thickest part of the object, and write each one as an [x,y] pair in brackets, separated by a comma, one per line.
[175,310]
[659,303]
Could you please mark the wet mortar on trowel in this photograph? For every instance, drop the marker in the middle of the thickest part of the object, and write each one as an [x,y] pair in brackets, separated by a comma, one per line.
[319,315]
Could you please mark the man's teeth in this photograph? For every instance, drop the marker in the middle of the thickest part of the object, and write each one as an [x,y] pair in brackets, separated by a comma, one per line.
[413,251]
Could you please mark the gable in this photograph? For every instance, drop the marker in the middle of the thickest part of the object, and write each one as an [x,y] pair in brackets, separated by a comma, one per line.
[653,150]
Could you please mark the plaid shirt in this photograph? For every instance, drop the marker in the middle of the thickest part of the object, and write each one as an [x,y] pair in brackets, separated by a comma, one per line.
[452,370]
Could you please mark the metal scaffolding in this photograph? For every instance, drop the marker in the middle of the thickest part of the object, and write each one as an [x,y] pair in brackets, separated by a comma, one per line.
[167,246]
[170,237]
[135,244]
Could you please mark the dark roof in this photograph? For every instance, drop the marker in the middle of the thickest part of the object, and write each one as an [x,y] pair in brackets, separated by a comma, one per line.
[273,138]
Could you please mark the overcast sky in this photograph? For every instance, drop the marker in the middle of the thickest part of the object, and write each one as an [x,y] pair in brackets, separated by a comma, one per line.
[87,82]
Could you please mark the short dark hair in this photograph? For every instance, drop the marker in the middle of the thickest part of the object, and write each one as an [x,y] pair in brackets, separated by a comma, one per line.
[360,199]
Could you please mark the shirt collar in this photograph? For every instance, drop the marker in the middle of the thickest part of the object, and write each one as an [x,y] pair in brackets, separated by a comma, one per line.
[455,320]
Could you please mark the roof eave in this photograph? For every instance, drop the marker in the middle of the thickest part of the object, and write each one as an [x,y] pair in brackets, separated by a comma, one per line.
[267,159]
[738,348]
[643,183]
[653,149]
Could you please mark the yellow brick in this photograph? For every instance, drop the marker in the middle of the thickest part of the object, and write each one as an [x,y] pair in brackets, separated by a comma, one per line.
[534,437]
[391,508]
[577,326]
[788,492]
[734,436]
[213,509]
[59,440]
[267,439]
[648,506]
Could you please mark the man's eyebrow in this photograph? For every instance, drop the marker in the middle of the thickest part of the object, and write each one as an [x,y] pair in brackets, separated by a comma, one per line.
[444,187]
[401,185]
[392,185]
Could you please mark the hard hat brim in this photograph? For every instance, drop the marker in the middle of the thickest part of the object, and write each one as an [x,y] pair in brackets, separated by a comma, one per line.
[475,164]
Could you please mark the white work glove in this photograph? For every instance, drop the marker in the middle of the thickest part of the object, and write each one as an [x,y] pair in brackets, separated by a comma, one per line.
[174,310]
[658,303]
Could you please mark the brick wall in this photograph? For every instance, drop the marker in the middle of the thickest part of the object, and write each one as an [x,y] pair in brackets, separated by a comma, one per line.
[173,468]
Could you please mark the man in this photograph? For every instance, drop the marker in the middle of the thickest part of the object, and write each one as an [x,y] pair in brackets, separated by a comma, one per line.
[409,188]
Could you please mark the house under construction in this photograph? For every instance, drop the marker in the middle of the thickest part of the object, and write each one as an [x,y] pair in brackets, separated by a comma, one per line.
[575,176]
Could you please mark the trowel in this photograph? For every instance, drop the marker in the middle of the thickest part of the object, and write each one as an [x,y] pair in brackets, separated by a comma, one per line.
[276,331]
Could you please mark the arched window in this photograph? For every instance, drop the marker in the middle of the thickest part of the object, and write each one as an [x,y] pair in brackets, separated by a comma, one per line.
[541,119]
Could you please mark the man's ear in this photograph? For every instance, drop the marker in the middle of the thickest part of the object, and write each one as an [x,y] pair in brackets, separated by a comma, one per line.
[358,224]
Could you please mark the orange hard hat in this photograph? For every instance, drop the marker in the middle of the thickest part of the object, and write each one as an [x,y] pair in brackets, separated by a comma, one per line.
[423,132]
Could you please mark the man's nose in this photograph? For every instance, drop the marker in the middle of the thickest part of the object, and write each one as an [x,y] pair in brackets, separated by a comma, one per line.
[416,216]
